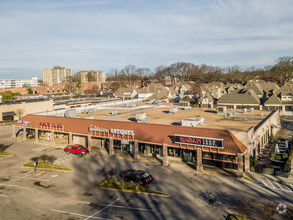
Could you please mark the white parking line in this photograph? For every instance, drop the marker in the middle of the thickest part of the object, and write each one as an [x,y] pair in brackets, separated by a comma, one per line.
[24,187]
[40,173]
[3,195]
[27,173]
[33,178]
[102,209]
[264,182]
[270,183]
[287,187]
[279,185]
[125,207]
[72,213]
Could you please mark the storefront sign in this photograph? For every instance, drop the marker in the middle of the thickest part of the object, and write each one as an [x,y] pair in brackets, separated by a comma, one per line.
[199,141]
[112,130]
[122,132]
[97,129]
[53,125]
[24,123]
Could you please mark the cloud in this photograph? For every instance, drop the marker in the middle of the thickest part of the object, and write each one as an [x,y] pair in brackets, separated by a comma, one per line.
[110,34]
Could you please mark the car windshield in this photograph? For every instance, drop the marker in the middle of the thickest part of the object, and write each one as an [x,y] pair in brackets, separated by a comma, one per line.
[145,175]
[80,147]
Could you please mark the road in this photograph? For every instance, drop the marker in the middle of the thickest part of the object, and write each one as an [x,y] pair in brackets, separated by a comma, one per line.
[44,194]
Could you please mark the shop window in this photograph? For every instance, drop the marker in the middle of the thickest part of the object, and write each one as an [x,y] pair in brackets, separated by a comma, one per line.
[207,154]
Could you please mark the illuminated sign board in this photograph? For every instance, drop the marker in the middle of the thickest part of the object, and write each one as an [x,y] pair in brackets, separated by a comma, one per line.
[112,130]
[199,141]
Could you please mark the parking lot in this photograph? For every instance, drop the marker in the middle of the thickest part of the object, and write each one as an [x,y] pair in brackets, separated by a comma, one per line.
[47,194]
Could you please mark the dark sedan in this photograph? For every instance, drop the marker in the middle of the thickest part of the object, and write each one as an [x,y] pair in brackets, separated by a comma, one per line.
[138,175]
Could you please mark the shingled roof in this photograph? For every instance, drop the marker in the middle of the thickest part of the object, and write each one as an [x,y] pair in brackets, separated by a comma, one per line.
[273,100]
[145,133]
[245,97]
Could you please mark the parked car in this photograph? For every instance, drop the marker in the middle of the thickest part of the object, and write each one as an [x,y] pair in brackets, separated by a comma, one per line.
[138,175]
[76,149]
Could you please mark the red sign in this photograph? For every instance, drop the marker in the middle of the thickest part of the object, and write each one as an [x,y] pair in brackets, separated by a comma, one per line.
[53,125]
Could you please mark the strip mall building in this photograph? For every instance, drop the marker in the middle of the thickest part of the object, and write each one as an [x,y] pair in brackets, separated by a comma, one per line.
[217,147]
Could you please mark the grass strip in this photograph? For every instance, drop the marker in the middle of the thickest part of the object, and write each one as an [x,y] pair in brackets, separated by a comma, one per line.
[47,166]
[127,187]
[5,153]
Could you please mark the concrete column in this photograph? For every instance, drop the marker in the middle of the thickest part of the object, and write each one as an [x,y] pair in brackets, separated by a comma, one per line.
[111,150]
[136,153]
[36,135]
[246,162]
[147,149]
[70,138]
[239,165]
[13,131]
[89,142]
[24,133]
[52,136]
[165,155]
[199,166]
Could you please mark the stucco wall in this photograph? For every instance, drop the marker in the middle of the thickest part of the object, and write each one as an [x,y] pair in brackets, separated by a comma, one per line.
[29,108]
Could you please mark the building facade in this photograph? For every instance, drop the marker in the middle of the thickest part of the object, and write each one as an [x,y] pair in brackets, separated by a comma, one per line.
[92,76]
[18,83]
[56,75]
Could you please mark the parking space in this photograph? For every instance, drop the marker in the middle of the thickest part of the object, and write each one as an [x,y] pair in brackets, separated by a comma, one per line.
[276,185]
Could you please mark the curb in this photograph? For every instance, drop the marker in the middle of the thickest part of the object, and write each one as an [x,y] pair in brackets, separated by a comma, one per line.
[49,169]
[146,193]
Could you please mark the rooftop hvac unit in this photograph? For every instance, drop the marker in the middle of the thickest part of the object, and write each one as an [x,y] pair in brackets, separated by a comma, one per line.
[141,117]
[70,113]
[245,110]
[173,110]
[192,122]
[187,108]
[251,109]
[114,112]
[221,110]
[91,111]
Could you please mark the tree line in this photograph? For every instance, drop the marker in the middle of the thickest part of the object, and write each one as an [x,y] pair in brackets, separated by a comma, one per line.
[280,72]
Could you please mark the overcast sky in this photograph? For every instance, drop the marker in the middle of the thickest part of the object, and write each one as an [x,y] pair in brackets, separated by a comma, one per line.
[106,34]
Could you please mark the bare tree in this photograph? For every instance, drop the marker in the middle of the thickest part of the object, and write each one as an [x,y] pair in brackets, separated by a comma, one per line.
[20,112]
[44,158]
[51,159]
[121,177]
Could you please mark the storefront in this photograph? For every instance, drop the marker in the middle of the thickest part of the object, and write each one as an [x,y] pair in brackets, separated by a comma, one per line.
[215,147]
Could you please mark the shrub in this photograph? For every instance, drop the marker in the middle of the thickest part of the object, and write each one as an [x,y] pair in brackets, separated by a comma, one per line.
[285,155]
[252,161]
[273,154]
[272,137]
[287,167]
[35,159]
[44,158]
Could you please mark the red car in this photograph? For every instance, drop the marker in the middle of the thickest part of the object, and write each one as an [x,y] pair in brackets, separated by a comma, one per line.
[76,149]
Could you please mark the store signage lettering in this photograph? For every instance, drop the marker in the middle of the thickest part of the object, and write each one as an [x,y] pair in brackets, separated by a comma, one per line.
[199,141]
[25,123]
[112,130]
[53,125]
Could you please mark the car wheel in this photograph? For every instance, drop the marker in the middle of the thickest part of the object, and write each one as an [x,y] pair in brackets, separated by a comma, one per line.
[68,152]
[80,155]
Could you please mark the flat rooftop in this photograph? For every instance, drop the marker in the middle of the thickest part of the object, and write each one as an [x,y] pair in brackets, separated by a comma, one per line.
[159,114]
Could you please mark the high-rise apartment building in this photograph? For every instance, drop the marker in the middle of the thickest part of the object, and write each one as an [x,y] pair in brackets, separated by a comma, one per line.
[18,83]
[56,75]
[92,76]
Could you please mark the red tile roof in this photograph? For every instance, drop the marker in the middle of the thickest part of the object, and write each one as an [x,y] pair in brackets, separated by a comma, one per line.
[147,133]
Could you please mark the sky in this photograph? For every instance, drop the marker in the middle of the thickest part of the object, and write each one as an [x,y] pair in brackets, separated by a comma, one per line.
[109,34]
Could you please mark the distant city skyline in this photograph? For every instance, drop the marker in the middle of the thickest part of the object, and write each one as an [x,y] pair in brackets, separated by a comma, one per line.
[109,34]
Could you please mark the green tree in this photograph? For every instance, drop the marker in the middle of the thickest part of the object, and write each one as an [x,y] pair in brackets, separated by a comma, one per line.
[8,95]
[283,70]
